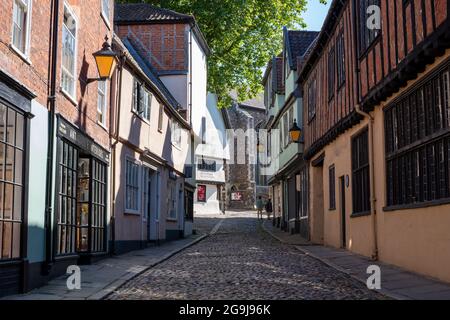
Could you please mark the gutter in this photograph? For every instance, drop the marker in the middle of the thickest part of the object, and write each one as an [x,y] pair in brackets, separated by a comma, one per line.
[358,110]
[50,143]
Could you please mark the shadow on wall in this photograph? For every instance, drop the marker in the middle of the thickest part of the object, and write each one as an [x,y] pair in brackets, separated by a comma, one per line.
[121,221]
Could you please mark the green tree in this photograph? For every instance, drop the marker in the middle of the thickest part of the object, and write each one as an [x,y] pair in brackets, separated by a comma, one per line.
[243,35]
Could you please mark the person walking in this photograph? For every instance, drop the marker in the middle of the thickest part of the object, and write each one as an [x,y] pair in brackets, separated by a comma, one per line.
[259,207]
[269,208]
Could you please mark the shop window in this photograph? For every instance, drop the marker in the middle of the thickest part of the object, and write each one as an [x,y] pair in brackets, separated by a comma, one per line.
[83,205]
[66,216]
[11,182]
[98,216]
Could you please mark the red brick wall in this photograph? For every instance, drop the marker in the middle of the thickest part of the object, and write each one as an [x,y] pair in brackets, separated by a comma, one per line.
[34,75]
[92,30]
[164,45]
[91,33]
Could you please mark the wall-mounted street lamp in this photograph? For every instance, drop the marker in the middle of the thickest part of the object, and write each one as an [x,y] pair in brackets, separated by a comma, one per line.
[106,60]
[295,132]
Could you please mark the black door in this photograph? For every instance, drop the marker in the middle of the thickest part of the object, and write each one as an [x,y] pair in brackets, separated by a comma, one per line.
[343,210]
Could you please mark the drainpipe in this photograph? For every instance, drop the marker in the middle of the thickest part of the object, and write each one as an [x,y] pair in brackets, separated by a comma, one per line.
[51,134]
[115,137]
[373,199]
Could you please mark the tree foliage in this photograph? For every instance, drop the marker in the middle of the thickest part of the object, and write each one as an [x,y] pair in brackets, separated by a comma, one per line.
[243,35]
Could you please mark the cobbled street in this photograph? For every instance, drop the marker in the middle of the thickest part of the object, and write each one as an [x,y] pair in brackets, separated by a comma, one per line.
[241,261]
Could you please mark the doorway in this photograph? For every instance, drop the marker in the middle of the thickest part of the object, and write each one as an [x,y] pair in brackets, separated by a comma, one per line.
[91,206]
[147,201]
[343,213]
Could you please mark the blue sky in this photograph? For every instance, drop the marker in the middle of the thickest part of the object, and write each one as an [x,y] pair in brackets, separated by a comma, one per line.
[315,14]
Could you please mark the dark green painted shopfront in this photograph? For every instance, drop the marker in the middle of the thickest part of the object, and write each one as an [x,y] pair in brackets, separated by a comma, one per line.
[80,221]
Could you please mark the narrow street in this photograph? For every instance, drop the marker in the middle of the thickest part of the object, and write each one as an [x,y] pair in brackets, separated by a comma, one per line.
[241,261]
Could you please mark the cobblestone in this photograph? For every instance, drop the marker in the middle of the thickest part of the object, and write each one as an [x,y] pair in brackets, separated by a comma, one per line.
[241,261]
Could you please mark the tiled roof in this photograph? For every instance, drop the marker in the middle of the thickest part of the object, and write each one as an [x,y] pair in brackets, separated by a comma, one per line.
[257,102]
[297,44]
[302,59]
[143,12]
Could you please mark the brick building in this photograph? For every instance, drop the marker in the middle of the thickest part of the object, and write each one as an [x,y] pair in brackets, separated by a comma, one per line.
[245,180]
[54,123]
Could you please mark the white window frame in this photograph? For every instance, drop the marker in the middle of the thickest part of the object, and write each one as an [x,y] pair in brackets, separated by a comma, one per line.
[106,15]
[175,133]
[102,109]
[147,104]
[63,69]
[138,185]
[161,117]
[142,101]
[28,4]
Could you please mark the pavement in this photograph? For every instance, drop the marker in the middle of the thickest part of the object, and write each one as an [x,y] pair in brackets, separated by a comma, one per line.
[396,283]
[240,261]
[237,257]
[103,277]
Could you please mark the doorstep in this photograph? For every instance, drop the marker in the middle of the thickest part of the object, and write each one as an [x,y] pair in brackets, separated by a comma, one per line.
[396,283]
[105,276]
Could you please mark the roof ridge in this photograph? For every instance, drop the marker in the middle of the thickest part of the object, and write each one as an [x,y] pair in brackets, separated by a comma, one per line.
[156,9]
